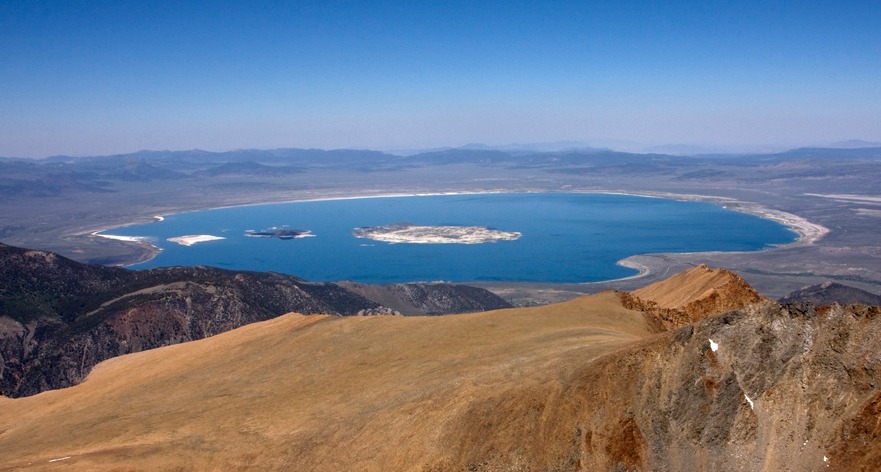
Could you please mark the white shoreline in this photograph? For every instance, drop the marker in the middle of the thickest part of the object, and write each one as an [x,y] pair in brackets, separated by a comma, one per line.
[630,263]
[848,197]
[808,233]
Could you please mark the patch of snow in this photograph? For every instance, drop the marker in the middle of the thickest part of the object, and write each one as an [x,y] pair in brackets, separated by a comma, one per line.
[60,459]
[714,346]
[825,459]
[751,405]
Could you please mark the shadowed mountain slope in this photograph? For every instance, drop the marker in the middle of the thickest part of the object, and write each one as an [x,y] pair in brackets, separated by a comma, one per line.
[580,385]
[828,293]
[429,298]
[58,318]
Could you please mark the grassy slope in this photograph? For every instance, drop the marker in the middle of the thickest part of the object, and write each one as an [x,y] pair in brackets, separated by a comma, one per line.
[309,392]
[689,286]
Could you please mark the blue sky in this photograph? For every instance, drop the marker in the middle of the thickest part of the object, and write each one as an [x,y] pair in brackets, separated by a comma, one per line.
[87,78]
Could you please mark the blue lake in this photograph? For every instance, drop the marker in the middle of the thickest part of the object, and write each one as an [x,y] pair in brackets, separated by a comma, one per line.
[565,237]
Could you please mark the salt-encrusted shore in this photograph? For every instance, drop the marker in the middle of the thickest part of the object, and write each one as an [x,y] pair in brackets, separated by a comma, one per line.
[650,264]
[191,239]
[808,232]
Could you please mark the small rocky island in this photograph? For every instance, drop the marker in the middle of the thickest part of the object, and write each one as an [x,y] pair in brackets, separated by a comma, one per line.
[280,232]
[416,234]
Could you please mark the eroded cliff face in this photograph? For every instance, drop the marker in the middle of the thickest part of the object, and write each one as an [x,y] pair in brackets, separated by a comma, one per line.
[767,387]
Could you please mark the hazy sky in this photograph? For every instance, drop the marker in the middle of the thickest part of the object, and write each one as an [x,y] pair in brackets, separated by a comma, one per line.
[118,76]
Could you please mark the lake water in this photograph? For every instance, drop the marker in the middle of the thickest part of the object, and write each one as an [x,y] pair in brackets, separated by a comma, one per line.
[565,237]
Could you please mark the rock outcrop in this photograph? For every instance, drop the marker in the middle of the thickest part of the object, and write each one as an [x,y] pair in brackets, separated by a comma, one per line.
[691,296]
[767,387]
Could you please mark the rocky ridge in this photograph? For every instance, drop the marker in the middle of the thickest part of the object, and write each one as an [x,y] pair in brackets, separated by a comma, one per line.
[690,296]
[766,387]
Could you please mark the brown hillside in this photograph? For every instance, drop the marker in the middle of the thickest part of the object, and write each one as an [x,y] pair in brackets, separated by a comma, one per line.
[579,386]
[692,295]
[308,392]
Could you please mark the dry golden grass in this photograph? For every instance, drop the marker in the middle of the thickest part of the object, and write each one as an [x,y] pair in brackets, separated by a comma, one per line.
[308,392]
[686,287]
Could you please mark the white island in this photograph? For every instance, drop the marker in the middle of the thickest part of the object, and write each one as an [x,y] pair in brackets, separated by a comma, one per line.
[416,234]
[191,239]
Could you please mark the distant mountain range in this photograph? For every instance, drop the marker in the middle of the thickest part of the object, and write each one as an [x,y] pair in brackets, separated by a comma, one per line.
[286,154]
[60,174]
[855,144]
[679,149]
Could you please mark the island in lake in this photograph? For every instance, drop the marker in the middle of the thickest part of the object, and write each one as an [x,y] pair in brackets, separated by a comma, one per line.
[280,233]
[415,234]
[191,239]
